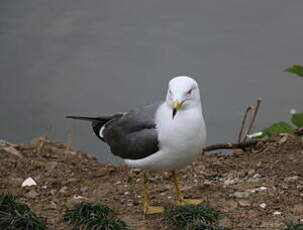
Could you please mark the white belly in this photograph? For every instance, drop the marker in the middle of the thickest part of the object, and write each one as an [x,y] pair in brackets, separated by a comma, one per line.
[180,140]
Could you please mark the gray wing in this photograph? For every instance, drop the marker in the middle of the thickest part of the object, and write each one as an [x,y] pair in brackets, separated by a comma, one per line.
[133,135]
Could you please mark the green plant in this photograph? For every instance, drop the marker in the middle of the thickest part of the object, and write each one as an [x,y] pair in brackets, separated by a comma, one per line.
[9,204]
[99,223]
[93,216]
[18,216]
[21,221]
[283,127]
[187,216]
[85,210]
[293,226]
[296,69]
[203,226]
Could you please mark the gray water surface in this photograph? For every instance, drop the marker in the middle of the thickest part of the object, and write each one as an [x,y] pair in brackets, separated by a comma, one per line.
[95,57]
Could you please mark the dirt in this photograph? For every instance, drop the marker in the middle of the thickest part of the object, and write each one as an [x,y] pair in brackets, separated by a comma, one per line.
[257,189]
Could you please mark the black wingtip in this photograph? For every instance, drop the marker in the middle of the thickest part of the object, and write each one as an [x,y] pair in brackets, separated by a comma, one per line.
[82,118]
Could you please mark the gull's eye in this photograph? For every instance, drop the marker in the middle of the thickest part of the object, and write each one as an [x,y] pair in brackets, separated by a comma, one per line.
[170,92]
[189,92]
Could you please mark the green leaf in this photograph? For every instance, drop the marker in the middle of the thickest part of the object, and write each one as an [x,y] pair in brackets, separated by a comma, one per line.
[279,127]
[296,69]
[297,119]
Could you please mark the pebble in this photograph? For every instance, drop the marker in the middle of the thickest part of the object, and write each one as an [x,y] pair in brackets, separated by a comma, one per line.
[241,194]
[251,172]
[29,182]
[231,181]
[50,166]
[300,187]
[277,213]
[63,189]
[84,189]
[77,197]
[15,180]
[291,179]
[262,188]
[263,205]
[32,194]
[244,203]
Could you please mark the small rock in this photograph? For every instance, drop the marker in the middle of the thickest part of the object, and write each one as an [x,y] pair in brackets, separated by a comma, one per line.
[50,166]
[230,181]
[15,180]
[84,189]
[231,204]
[241,195]
[291,179]
[207,182]
[283,139]
[298,208]
[77,197]
[300,187]
[277,213]
[63,189]
[251,172]
[29,182]
[257,175]
[13,151]
[262,188]
[32,194]
[225,222]
[244,203]
[263,205]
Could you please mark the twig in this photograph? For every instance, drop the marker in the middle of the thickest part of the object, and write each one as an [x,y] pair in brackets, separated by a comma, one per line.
[240,145]
[48,130]
[69,141]
[299,132]
[252,121]
[243,123]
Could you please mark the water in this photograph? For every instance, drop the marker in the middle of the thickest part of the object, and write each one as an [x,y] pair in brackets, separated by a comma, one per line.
[97,57]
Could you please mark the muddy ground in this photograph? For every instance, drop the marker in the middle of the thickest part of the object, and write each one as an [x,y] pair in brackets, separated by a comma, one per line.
[258,189]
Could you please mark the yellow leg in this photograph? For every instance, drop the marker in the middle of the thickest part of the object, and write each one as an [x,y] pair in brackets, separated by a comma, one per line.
[147,209]
[179,195]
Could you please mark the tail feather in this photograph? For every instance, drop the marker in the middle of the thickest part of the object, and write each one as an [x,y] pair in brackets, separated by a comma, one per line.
[97,122]
[102,119]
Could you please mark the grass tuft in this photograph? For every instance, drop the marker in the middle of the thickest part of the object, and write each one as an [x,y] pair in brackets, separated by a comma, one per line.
[18,216]
[181,216]
[85,210]
[293,226]
[93,216]
[99,223]
[203,226]
[8,204]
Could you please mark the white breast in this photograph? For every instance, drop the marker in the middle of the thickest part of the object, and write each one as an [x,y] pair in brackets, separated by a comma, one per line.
[180,139]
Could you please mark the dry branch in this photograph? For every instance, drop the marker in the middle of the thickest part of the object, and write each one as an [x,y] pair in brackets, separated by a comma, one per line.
[240,138]
[240,145]
[252,121]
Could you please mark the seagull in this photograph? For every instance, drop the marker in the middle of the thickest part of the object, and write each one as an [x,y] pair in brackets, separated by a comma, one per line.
[164,136]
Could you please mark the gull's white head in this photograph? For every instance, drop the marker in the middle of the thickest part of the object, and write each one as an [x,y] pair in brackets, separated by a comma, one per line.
[183,93]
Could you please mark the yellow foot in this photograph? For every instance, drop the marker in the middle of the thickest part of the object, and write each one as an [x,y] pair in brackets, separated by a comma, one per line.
[153,209]
[189,201]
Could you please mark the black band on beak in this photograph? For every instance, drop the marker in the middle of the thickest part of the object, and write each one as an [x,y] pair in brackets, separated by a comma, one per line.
[174,112]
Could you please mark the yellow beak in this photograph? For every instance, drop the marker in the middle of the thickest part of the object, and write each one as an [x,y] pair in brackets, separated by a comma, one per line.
[177,105]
